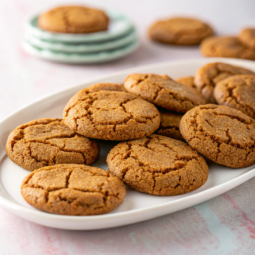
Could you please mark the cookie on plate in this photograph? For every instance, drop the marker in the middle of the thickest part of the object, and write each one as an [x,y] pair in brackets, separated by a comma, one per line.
[112,115]
[237,92]
[247,36]
[187,81]
[207,77]
[74,19]
[73,190]
[158,165]
[94,88]
[162,91]
[45,142]
[180,31]
[220,133]
[169,125]
[226,47]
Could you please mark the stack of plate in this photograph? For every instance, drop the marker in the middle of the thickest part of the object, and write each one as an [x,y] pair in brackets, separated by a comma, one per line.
[118,41]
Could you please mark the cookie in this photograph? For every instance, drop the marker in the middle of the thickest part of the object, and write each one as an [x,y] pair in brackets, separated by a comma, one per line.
[94,88]
[247,36]
[74,19]
[112,115]
[158,165]
[220,133]
[187,81]
[237,92]
[180,31]
[226,47]
[45,142]
[162,91]
[169,125]
[208,75]
[73,190]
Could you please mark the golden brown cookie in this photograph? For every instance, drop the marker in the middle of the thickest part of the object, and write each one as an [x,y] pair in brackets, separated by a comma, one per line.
[187,81]
[162,91]
[73,19]
[220,133]
[169,125]
[112,115]
[247,36]
[73,190]
[158,165]
[226,47]
[237,92]
[45,142]
[180,31]
[208,75]
[94,88]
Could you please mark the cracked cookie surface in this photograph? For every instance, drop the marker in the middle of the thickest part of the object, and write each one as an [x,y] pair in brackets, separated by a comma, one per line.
[180,31]
[237,92]
[220,133]
[207,77]
[45,142]
[112,115]
[226,47]
[247,36]
[158,165]
[162,91]
[73,19]
[73,190]
[94,88]
[169,125]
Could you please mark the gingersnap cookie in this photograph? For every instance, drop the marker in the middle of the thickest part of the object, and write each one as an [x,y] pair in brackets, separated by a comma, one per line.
[111,115]
[169,125]
[162,91]
[187,81]
[45,142]
[237,92]
[220,133]
[74,19]
[226,47]
[94,88]
[247,36]
[73,190]
[158,165]
[208,75]
[180,31]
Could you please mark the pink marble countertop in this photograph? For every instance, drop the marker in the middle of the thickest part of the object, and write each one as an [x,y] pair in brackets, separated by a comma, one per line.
[224,225]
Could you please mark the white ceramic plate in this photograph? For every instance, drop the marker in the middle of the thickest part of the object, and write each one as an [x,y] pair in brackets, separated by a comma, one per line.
[81,58]
[137,206]
[82,47]
[119,25]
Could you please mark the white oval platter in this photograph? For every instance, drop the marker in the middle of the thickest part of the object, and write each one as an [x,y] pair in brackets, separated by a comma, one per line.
[137,206]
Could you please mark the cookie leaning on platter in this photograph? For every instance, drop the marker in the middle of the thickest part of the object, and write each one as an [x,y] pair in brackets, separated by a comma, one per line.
[163,91]
[221,134]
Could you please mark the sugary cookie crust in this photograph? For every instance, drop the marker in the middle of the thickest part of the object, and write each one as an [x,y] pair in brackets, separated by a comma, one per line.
[73,190]
[45,142]
[238,92]
[169,125]
[220,133]
[74,19]
[180,31]
[112,115]
[226,47]
[162,91]
[158,165]
[208,75]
